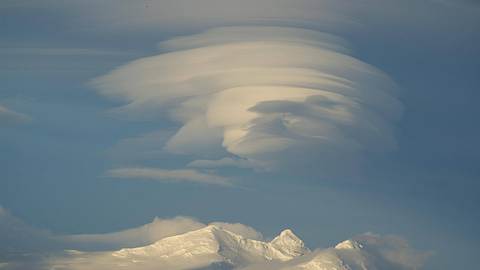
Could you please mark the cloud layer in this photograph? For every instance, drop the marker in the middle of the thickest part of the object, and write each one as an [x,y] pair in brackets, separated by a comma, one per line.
[260,95]
[188,175]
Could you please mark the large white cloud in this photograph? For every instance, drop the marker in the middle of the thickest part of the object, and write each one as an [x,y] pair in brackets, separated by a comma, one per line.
[263,94]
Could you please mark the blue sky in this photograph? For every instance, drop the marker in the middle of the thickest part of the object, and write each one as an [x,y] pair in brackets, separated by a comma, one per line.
[68,147]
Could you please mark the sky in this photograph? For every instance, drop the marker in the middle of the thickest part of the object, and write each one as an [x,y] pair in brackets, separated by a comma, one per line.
[334,118]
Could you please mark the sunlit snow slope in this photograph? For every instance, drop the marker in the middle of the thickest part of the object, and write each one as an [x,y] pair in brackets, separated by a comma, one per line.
[215,248]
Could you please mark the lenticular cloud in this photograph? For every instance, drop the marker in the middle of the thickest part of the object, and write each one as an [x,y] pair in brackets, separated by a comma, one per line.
[261,94]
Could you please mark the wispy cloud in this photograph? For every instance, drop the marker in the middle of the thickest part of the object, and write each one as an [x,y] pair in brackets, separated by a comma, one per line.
[16,236]
[183,175]
[49,51]
[226,162]
[143,235]
[8,116]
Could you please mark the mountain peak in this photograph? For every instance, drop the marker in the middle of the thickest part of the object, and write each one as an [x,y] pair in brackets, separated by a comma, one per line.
[288,243]
[349,244]
[288,233]
[211,228]
[286,236]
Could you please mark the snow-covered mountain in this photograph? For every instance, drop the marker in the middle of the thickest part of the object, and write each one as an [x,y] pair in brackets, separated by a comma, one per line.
[215,248]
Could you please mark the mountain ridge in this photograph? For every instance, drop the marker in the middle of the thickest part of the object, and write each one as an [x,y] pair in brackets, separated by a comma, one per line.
[217,248]
[213,240]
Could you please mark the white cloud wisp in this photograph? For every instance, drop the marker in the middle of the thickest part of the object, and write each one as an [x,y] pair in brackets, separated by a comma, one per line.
[8,116]
[186,175]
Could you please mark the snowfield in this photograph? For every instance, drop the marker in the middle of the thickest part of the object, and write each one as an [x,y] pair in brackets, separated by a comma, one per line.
[216,248]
